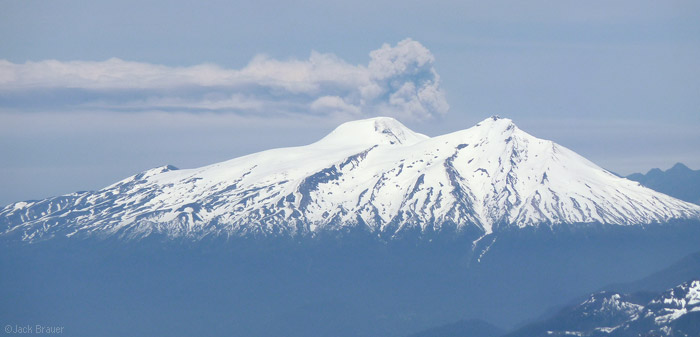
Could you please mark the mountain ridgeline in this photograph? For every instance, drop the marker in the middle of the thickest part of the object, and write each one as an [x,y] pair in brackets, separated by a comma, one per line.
[679,182]
[371,176]
[674,312]
[374,230]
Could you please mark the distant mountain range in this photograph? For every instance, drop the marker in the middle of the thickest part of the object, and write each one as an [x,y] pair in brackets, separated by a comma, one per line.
[657,305]
[674,312]
[686,268]
[679,182]
[372,176]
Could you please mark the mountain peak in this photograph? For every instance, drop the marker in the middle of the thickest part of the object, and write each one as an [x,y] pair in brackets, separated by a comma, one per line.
[373,131]
[679,167]
[495,127]
[496,120]
[373,174]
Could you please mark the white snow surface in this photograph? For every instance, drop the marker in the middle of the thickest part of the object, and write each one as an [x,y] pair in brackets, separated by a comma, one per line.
[374,175]
[676,302]
[609,305]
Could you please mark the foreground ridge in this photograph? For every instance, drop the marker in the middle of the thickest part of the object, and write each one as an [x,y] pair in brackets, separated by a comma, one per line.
[612,314]
[374,176]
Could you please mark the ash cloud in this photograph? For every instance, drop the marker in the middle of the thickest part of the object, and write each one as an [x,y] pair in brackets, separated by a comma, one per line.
[398,81]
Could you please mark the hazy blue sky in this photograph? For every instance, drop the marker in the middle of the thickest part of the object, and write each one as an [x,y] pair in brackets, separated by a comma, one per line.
[92,92]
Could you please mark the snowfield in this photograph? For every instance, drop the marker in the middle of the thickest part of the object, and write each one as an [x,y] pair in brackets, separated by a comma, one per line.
[373,175]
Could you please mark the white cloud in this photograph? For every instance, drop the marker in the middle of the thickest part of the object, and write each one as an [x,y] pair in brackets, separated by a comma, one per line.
[334,104]
[398,80]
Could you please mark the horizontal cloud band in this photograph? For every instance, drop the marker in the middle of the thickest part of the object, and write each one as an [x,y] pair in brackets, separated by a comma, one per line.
[398,80]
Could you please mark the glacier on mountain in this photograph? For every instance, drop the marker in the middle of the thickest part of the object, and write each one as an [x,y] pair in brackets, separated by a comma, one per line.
[373,175]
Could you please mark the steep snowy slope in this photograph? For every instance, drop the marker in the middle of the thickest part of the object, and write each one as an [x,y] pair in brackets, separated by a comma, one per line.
[372,175]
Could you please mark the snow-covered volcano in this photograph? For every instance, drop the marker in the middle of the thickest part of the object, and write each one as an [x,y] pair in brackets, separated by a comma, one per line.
[373,175]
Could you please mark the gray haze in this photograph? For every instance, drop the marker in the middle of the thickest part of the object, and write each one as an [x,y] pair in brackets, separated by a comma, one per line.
[190,84]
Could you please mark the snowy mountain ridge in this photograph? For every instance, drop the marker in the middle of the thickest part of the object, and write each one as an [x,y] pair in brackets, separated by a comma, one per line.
[606,314]
[373,175]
